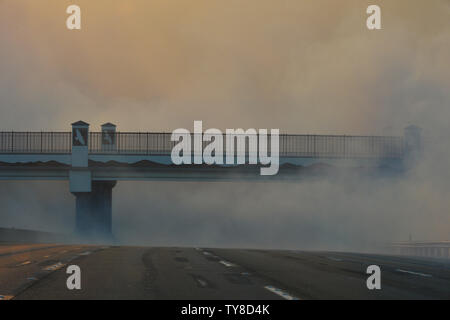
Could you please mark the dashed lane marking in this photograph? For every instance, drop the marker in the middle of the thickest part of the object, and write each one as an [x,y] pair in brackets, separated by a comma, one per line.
[334,259]
[210,255]
[415,273]
[202,282]
[227,264]
[54,267]
[85,253]
[23,263]
[281,293]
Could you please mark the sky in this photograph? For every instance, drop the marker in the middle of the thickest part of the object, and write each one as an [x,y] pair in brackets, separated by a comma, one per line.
[300,66]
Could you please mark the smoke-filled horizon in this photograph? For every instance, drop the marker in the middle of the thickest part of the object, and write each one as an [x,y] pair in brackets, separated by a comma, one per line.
[299,66]
[339,212]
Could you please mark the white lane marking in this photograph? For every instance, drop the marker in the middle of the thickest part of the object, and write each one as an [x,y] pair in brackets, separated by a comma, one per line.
[202,282]
[54,267]
[4,297]
[281,293]
[227,264]
[206,253]
[334,259]
[23,263]
[64,251]
[415,273]
[85,253]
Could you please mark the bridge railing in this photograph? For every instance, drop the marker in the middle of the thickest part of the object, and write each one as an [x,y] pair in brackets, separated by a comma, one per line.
[290,145]
[150,143]
[35,142]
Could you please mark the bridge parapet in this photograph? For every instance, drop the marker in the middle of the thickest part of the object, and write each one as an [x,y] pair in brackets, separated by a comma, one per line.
[159,143]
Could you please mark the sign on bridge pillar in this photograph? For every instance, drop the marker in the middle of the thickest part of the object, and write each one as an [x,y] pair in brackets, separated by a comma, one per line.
[109,137]
[80,136]
[80,176]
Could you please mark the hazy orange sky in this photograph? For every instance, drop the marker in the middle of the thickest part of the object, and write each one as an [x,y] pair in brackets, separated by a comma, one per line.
[301,66]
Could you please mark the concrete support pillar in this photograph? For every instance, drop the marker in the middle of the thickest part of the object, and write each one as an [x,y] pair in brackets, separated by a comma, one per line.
[413,145]
[93,198]
[94,212]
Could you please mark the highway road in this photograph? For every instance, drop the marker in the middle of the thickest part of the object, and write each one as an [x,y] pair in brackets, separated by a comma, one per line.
[38,271]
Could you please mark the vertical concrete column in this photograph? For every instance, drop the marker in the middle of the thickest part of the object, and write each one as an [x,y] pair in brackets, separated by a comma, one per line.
[80,175]
[94,212]
[93,198]
[109,137]
[80,136]
[413,144]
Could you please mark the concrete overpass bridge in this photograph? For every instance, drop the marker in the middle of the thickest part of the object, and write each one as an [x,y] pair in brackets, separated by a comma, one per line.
[93,162]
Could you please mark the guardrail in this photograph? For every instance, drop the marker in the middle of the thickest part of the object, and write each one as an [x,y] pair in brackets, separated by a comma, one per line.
[439,249]
[150,143]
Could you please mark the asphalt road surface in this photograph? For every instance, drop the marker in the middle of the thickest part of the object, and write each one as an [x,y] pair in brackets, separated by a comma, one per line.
[115,272]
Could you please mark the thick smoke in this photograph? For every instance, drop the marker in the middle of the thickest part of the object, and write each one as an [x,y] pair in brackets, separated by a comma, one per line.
[303,67]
